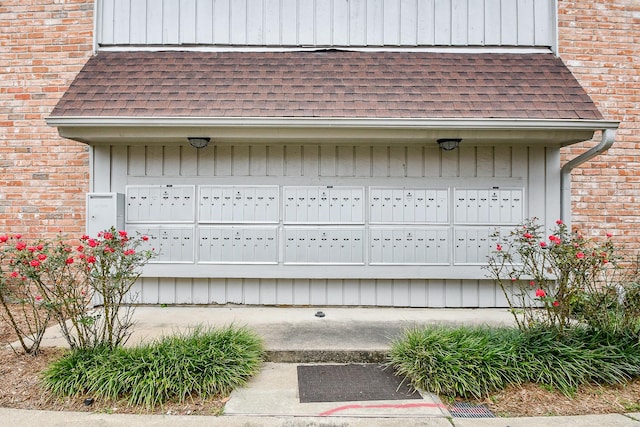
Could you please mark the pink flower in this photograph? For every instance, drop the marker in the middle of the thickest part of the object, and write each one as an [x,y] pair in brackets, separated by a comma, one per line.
[129,252]
[559,222]
[540,293]
[34,263]
[532,283]
[31,248]
[42,257]
[109,249]
[543,244]
[609,234]
[580,255]
[69,261]
[81,256]
[15,274]
[38,298]
[18,236]
[3,239]
[498,247]
[67,249]
[21,246]
[513,279]
[556,303]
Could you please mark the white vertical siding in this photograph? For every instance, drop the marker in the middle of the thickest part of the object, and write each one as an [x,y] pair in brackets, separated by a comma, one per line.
[536,168]
[327,22]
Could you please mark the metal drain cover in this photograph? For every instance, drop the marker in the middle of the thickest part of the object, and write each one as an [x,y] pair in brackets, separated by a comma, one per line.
[469,410]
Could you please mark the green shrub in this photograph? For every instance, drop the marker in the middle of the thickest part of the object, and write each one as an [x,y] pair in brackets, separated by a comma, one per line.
[206,362]
[476,361]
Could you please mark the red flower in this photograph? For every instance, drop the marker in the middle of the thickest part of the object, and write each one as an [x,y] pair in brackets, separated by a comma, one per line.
[498,247]
[109,249]
[122,233]
[31,248]
[527,235]
[556,303]
[580,255]
[34,263]
[38,298]
[3,239]
[555,239]
[108,236]
[92,243]
[80,248]
[91,259]
[609,234]
[42,257]
[559,222]
[81,256]
[39,247]
[532,283]
[541,293]
[129,252]
[18,236]
[145,238]
[84,237]
[15,274]
[69,261]
[21,246]
[543,244]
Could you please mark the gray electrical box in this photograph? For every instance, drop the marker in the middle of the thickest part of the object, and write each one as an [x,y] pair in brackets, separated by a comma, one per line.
[104,210]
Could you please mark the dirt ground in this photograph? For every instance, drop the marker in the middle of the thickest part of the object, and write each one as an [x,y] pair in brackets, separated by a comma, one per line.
[20,388]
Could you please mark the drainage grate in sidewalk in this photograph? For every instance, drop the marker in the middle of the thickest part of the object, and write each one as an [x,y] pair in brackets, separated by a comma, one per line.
[469,410]
[351,383]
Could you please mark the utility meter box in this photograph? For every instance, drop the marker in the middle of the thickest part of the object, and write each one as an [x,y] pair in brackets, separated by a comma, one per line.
[104,210]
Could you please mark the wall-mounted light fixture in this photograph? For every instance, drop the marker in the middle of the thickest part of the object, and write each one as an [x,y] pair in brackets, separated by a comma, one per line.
[199,142]
[448,144]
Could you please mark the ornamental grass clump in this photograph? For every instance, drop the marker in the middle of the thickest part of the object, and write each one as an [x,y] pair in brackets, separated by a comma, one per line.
[477,361]
[60,279]
[564,278]
[203,363]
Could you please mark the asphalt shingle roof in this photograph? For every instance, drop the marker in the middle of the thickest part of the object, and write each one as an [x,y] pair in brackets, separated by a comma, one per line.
[326,84]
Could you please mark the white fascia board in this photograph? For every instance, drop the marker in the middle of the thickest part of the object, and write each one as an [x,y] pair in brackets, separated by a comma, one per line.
[394,123]
[93,130]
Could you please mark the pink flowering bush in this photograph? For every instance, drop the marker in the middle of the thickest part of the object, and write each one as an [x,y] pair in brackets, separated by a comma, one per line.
[559,278]
[55,279]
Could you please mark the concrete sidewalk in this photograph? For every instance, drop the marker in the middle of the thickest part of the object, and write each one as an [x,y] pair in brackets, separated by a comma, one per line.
[298,335]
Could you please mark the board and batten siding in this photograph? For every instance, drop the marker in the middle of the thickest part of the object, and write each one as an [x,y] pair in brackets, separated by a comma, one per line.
[325,23]
[535,169]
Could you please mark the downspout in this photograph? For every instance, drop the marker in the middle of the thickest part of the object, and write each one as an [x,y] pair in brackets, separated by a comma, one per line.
[608,136]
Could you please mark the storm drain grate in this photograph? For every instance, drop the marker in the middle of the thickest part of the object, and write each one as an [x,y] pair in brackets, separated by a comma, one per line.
[469,410]
[351,383]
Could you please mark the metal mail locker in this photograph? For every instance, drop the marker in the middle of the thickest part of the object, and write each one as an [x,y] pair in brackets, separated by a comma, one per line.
[472,245]
[153,238]
[160,203]
[143,203]
[176,244]
[409,246]
[233,245]
[323,205]
[324,246]
[495,206]
[412,205]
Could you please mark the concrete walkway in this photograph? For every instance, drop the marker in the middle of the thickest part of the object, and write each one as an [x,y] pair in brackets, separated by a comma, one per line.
[299,335]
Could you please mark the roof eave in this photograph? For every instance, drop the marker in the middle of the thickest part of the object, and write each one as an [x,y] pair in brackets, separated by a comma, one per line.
[174,130]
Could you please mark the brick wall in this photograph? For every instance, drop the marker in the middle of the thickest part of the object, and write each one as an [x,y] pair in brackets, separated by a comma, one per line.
[43,178]
[600,42]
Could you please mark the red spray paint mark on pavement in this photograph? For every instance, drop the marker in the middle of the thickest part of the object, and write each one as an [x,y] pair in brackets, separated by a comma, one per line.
[383,406]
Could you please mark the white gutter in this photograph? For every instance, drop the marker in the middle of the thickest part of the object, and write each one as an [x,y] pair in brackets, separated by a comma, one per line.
[608,136]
